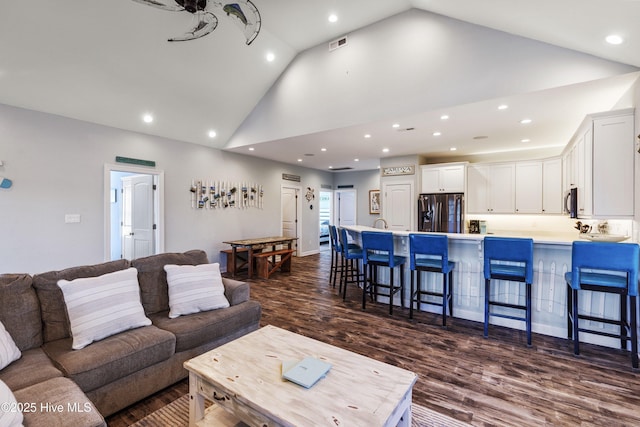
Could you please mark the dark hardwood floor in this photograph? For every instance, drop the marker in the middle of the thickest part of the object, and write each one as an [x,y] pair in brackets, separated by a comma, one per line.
[486,382]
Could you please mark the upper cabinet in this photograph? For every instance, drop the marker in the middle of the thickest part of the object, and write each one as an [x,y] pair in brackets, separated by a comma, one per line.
[443,178]
[491,188]
[601,162]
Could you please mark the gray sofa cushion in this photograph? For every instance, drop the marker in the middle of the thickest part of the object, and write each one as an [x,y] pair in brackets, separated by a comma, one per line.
[112,358]
[33,367]
[153,279]
[20,310]
[54,314]
[196,329]
[77,409]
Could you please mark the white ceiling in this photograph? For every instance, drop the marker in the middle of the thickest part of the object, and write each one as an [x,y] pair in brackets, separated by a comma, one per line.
[108,62]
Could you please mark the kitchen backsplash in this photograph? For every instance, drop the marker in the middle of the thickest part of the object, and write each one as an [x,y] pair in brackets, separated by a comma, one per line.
[541,224]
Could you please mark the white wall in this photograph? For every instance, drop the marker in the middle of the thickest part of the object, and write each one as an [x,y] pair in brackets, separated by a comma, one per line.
[57,168]
[362,182]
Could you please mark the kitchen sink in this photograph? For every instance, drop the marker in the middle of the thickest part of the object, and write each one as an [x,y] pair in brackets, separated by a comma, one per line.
[599,237]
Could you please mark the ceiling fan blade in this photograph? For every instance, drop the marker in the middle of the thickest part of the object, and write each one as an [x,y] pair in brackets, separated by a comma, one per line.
[246,17]
[162,4]
[207,22]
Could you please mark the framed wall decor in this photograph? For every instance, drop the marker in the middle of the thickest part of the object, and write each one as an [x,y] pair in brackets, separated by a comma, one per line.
[374,201]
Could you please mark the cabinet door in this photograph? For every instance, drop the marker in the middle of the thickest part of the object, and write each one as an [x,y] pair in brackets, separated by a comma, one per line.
[584,156]
[551,186]
[613,155]
[528,189]
[477,189]
[502,188]
[452,178]
[431,180]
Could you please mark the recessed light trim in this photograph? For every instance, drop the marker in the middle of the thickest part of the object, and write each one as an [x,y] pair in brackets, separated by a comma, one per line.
[251,149]
[333,18]
[323,149]
[385,150]
[367,135]
[436,133]
[270,57]
[452,149]
[503,107]
[444,117]
[147,118]
[212,133]
[356,160]
[614,39]
[299,160]
[395,125]
[525,140]
[525,121]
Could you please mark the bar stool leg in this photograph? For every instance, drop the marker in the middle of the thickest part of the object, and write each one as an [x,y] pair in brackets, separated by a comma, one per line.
[450,288]
[401,287]
[623,322]
[365,269]
[574,309]
[412,273]
[634,332]
[391,290]
[570,314]
[528,314]
[486,307]
[445,299]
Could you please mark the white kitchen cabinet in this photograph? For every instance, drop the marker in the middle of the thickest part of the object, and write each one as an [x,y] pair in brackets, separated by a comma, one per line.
[552,186]
[602,160]
[529,187]
[613,156]
[443,178]
[491,188]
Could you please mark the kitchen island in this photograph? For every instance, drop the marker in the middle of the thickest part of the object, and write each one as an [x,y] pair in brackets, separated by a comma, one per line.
[551,259]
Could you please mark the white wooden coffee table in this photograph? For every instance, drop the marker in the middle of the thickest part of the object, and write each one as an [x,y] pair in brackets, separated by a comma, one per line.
[244,378]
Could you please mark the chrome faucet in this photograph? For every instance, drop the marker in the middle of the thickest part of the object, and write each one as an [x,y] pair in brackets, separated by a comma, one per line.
[384,221]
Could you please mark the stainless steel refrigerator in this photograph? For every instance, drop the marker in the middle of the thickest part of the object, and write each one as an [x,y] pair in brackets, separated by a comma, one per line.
[441,212]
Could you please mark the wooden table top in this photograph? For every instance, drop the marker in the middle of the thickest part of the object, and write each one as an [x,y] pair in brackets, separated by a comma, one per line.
[261,241]
[356,391]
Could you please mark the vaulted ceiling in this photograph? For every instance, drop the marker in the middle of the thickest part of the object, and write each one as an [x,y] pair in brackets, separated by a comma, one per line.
[406,62]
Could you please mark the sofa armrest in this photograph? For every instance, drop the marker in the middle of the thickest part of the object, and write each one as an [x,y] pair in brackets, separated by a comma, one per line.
[235,291]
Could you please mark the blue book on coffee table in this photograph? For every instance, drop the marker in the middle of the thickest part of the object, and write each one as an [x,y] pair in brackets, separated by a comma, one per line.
[307,372]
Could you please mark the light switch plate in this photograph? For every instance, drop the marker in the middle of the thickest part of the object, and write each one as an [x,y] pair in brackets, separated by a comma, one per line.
[71,218]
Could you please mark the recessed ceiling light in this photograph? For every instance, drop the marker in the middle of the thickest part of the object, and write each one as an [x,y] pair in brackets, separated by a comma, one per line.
[251,149]
[452,149]
[323,149]
[212,134]
[525,121]
[333,18]
[525,140]
[270,57]
[395,125]
[356,160]
[444,117]
[614,39]
[330,167]
[437,133]
[299,160]
[367,135]
[503,107]
[148,118]
[385,150]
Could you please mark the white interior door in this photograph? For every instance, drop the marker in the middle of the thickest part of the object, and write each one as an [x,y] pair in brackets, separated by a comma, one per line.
[137,216]
[289,201]
[398,206]
[345,208]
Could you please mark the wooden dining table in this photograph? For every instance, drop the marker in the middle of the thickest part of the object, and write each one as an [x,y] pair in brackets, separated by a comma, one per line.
[254,245]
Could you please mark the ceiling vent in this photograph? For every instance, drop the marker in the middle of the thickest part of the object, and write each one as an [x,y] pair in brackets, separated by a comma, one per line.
[346,168]
[342,41]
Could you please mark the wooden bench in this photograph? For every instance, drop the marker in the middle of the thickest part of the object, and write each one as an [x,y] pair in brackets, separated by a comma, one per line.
[241,261]
[266,263]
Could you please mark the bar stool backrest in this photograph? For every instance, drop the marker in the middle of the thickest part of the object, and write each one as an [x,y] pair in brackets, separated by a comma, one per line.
[431,245]
[380,242]
[335,242]
[347,250]
[516,250]
[606,257]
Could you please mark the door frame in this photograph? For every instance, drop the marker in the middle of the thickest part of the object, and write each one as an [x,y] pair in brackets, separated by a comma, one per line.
[298,189]
[158,200]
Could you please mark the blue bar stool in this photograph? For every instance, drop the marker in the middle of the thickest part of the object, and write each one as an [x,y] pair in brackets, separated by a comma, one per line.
[508,259]
[604,267]
[336,256]
[430,253]
[377,249]
[351,257]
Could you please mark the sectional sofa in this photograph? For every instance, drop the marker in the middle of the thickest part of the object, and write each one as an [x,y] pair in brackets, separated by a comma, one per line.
[55,384]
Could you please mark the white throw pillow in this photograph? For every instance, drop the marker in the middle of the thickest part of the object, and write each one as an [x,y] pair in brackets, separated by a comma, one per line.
[8,350]
[99,307]
[10,415]
[194,288]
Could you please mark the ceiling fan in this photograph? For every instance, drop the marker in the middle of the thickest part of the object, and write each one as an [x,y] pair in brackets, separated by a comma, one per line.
[243,12]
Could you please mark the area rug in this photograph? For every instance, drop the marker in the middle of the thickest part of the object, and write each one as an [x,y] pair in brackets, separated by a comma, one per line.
[176,414]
